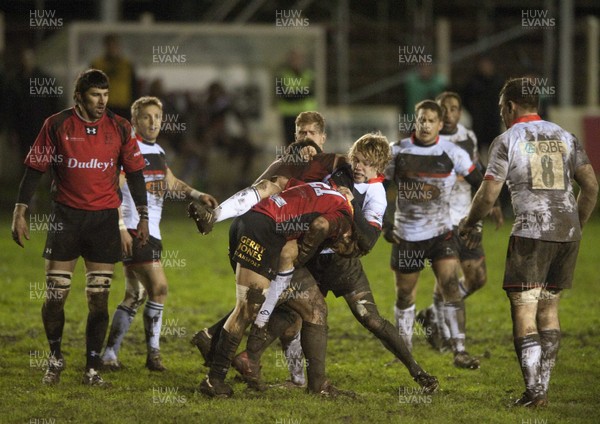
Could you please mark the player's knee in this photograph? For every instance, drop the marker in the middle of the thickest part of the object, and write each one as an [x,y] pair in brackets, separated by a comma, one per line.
[287,255]
[58,285]
[449,288]
[367,314]
[290,333]
[97,290]
[478,279]
[159,290]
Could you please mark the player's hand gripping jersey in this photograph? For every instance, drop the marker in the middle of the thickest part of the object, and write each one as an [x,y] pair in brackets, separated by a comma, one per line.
[85,158]
[541,158]
[424,176]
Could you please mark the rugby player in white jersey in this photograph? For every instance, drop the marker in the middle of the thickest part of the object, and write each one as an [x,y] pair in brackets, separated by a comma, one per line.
[538,160]
[144,273]
[472,260]
[424,169]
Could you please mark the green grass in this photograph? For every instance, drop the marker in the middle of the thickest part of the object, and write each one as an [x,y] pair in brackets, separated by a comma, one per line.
[202,289]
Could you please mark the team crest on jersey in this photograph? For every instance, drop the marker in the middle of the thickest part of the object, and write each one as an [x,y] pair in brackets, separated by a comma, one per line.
[108,138]
[91,130]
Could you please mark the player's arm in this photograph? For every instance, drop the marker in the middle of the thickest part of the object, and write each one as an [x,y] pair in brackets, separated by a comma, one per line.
[391,194]
[475,178]
[137,187]
[175,184]
[29,184]
[302,152]
[133,165]
[470,226]
[586,200]
[126,240]
[366,228]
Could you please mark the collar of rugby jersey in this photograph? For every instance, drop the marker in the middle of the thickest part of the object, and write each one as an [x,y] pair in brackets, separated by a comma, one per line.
[527,118]
[418,142]
[378,179]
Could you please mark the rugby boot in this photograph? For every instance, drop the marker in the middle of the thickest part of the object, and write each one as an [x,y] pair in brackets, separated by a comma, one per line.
[466,361]
[202,340]
[55,367]
[203,216]
[216,388]
[428,382]
[153,361]
[250,371]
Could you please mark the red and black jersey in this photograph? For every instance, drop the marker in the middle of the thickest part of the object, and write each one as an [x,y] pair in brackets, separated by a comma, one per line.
[299,204]
[316,169]
[85,158]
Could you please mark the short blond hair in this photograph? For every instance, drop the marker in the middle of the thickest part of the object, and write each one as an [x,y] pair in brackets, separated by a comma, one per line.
[311,117]
[143,102]
[375,148]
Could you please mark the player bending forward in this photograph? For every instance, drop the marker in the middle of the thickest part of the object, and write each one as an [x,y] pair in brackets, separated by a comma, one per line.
[256,240]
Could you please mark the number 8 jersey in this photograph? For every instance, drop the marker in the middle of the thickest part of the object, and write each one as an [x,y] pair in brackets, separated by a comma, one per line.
[538,159]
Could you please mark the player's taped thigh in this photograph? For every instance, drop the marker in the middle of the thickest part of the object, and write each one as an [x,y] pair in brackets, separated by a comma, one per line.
[248,303]
[135,293]
[525,297]
[97,289]
[58,286]
[524,305]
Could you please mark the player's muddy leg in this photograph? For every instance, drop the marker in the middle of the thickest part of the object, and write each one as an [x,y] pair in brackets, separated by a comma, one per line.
[99,277]
[280,283]
[292,351]
[58,285]
[365,311]
[446,271]
[404,310]
[260,339]
[440,319]
[135,296]
[475,276]
[153,278]
[251,288]
[523,308]
[310,304]
[549,330]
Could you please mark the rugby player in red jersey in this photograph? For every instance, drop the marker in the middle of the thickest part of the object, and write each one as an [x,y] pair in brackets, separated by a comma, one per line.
[256,239]
[85,147]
